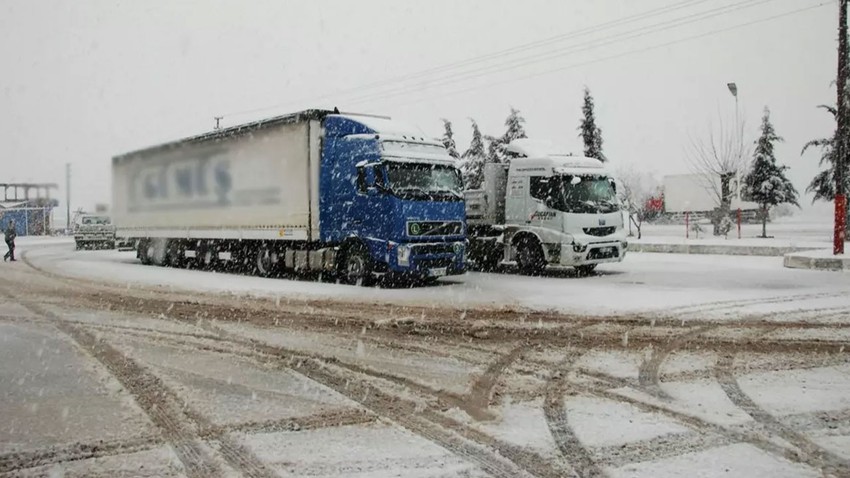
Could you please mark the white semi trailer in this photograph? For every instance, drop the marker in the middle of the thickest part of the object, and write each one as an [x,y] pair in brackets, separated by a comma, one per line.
[545,209]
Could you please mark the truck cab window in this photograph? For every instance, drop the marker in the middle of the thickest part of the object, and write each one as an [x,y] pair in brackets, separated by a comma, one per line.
[361,180]
[540,187]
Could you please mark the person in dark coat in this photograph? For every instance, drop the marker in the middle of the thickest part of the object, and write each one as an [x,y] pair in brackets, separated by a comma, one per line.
[10,241]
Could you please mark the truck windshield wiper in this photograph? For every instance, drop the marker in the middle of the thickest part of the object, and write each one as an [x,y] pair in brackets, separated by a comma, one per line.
[449,191]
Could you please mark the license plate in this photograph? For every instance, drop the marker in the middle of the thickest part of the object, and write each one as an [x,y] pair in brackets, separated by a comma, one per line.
[439,272]
[606,250]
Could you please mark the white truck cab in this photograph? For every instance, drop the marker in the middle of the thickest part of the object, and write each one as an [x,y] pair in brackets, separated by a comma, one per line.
[548,209]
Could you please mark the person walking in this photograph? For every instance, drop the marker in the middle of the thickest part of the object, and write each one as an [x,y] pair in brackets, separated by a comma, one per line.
[10,241]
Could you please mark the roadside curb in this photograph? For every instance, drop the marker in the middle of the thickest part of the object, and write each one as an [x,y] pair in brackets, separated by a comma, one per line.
[730,250]
[817,260]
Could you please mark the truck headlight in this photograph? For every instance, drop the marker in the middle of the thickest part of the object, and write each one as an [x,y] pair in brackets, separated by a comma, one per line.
[458,247]
[403,255]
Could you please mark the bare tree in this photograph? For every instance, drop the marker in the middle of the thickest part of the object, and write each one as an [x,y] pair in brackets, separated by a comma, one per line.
[719,158]
[636,190]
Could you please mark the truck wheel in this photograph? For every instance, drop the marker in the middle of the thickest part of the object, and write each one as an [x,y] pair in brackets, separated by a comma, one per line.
[176,254]
[357,267]
[77,245]
[585,270]
[144,249]
[263,261]
[529,256]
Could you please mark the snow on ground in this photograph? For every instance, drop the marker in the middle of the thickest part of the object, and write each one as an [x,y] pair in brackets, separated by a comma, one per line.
[703,399]
[522,424]
[733,461]
[371,450]
[51,389]
[440,373]
[599,422]
[617,363]
[785,232]
[794,391]
[701,286]
[160,462]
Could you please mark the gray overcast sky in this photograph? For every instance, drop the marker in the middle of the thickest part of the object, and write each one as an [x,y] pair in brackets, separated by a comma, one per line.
[82,81]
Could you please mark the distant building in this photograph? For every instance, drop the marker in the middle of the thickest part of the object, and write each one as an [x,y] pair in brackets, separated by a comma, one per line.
[695,194]
[29,205]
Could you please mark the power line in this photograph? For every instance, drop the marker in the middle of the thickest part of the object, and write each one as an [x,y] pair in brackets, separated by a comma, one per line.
[624,54]
[483,58]
[563,52]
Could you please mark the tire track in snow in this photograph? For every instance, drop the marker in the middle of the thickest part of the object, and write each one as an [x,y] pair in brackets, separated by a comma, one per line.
[162,406]
[570,447]
[737,303]
[10,462]
[648,372]
[477,403]
[810,452]
[459,439]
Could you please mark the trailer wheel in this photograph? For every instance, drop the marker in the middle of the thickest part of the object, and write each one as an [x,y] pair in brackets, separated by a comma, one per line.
[176,254]
[207,258]
[357,267]
[263,261]
[144,252]
[529,256]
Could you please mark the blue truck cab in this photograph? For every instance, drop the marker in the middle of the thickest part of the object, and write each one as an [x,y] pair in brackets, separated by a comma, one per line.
[391,198]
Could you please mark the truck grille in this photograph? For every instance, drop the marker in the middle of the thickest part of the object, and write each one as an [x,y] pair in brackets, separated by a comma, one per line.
[599,231]
[428,249]
[434,263]
[603,253]
[434,228]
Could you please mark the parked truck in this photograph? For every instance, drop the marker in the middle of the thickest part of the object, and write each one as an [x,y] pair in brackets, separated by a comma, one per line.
[352,196]
[544,208]
[92,231]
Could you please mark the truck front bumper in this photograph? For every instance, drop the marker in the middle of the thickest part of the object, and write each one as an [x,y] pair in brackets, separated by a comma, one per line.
[433,259]
[592,253]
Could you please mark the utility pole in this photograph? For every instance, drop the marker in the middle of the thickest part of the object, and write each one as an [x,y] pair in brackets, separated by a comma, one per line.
[67,198]
[218,121]
[841,134]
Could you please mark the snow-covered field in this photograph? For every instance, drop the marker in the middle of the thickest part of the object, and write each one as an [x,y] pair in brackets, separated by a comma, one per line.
[687,286]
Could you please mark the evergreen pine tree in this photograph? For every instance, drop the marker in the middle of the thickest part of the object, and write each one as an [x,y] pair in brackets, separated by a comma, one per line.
[448,139]
[514,127]
[765,183]
[823,184]
[495,149]
[473,160]
[590,133]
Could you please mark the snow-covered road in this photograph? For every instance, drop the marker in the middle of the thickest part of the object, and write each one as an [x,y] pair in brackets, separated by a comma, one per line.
[111,368]
[686,286]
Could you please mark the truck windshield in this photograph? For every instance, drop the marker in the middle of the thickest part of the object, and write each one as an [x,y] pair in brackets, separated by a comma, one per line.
[95,221]
[424,181]
[584,194]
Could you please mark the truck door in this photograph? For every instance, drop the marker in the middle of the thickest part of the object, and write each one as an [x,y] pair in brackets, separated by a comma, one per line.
[542,211]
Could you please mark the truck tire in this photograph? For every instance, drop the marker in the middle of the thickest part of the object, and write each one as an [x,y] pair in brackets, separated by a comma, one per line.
[77,245]
[263,264]
[176,254]
[585,270]
[356,267]
[206,257]
[529,256]
[144,249]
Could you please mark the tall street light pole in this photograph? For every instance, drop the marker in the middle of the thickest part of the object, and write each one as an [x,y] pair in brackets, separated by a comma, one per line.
[841,134]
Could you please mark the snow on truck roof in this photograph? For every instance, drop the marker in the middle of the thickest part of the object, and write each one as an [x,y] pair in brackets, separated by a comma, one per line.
[382,125]
[537,155]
